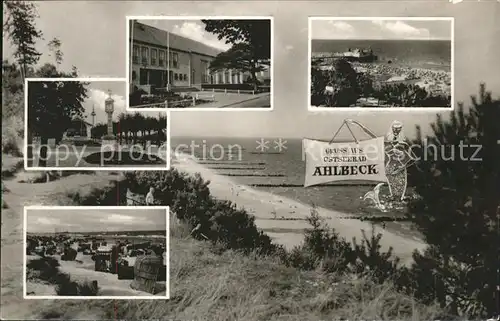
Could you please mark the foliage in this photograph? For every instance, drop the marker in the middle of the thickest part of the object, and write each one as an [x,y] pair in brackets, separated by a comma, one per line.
[66,287]
[12,91]
[55,48]
[458,208]
[47,269]
[319,81]
[53,105]
[12,133]
[107,196]
[130,125]
[342,79]
[189,198]
[251,45]
[239,57]
[255,33]
[21,30]
[324,248]
[347,86]
[12,81]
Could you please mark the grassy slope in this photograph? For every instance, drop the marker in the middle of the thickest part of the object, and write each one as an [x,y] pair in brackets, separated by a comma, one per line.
[211,286]
[204,284]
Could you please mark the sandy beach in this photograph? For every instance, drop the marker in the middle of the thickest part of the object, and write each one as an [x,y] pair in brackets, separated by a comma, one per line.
[274,213]
[82,269]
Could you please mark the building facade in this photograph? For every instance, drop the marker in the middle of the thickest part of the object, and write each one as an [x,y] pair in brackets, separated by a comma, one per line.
[79,130]
[160,58]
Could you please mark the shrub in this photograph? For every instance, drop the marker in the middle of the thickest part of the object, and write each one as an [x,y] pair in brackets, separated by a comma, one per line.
[46,268]
[323,248]
[457,211]
[66,287]
[370,258]
[189,198]
[236,229]
[107,196]
[12,133]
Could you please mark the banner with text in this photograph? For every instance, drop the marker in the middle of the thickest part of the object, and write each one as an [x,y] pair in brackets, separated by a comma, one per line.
[327,162]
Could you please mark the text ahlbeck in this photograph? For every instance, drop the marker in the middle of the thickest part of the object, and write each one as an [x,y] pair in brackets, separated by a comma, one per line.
[345,170]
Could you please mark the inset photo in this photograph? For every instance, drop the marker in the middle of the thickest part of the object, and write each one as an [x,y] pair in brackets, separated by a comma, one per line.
[83,123]
[206,63]
[96,252]
[381,62]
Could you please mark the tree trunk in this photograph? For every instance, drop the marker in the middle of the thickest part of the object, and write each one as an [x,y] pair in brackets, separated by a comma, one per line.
[255,81]
[29,151]
[43,152]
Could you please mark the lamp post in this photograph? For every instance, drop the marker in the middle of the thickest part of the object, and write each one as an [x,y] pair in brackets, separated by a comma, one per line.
[109,108]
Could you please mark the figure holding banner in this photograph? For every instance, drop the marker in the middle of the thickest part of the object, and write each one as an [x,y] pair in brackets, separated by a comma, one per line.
[397,151]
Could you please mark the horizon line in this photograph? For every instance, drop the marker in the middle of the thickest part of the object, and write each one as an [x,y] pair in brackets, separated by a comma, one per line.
[27,232]
[414,39]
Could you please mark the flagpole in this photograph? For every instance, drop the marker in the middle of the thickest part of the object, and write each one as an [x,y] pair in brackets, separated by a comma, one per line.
[168,61]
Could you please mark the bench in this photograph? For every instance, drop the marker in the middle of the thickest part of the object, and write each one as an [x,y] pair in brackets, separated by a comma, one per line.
[228,91]
[205,96]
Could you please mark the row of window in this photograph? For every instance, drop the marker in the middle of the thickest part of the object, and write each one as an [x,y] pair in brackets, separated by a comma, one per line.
[180,77]
[140,54]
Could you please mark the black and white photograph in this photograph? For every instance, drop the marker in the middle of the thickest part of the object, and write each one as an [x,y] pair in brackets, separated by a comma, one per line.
[375,62]
[200,62]
[376,213]
[84,124]
[96,252]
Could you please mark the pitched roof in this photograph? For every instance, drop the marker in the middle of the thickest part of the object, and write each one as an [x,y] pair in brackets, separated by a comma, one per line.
[82,120]
[159,37]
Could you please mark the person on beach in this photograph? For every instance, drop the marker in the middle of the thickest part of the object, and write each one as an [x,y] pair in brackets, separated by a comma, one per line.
[150,200]
[397,157]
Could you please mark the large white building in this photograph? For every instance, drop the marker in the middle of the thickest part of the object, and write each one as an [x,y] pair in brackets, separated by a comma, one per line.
[187,65]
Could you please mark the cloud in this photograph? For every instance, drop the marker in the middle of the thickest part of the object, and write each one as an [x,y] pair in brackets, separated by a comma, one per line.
[98,97]
[332,29]
[402,29]
[123,219]
[342,26]
[95,220]
[48,221]
[195,31]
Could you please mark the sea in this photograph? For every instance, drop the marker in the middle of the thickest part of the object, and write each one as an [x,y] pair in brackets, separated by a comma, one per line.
[430,54]
[276,170]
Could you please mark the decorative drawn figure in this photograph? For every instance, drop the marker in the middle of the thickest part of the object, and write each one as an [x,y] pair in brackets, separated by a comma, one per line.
[397,158]
[373,195]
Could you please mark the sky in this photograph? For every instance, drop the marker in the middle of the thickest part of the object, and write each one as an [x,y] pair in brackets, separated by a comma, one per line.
[381,29]
[98,92]
[192,29]
[95,42]
[85,220]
